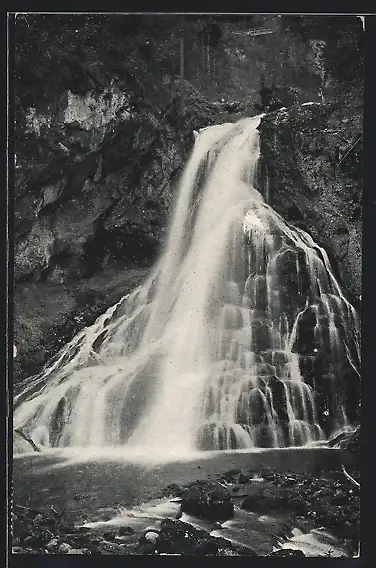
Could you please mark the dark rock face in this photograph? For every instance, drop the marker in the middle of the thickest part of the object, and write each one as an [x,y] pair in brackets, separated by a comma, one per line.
[208,500]
[95,179]
[312,161]
[99,195]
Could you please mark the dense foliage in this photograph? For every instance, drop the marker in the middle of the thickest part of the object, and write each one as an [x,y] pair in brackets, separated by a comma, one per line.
[223,55]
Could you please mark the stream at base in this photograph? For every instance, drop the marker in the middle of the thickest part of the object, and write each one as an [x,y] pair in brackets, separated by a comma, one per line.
[104,494]
[258,532]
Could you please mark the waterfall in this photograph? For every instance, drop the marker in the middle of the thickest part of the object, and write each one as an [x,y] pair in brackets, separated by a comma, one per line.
[239,338]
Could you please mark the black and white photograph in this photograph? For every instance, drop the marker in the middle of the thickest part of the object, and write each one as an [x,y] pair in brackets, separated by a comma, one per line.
[187,196]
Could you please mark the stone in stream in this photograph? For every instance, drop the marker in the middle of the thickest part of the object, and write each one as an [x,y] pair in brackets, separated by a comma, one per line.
[151,536]
[107,513]
[286,552]
[172,490]
[207,500]
[264,503]
[110,535]
[182,538]
[64,548]
[126,531]
[78,551]
[53,544]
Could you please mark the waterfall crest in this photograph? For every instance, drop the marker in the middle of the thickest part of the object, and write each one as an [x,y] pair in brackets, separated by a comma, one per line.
[240,337]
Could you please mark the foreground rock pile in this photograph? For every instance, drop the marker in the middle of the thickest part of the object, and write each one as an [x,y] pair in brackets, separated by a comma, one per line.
[329,502]
[45,533]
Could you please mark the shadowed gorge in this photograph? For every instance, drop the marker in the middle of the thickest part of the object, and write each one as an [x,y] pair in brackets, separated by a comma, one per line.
[239,338]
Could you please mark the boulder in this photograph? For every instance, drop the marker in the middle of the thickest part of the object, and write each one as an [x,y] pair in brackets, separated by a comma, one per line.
[286,553]
[264,503]
[208,500]
[181,538]
[64,548]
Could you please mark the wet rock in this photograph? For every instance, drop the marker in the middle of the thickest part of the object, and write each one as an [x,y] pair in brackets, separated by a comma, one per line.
[172,490]
[39,520]
[107,513]
[103,547]
[38,539]
[126,531]
[176,536]
[53,544]
[265,436]
[110,535]
[256,293]
[227,552]
[64,548]
[261,336]
[231,475]
[179,537]
[306,343]
[208,500]
[235,476]
[207,547]
[152,537]
[349,441]
[287,553]
[264,503]
[78,551]
[242,478]
[22,443]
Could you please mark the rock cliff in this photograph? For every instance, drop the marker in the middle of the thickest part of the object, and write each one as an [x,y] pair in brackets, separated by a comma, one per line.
[312,167]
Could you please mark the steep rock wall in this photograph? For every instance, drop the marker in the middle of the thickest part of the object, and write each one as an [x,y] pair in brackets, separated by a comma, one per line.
[312,168]
[95,177]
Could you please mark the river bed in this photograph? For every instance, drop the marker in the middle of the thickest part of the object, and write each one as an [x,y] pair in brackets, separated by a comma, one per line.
[106,492]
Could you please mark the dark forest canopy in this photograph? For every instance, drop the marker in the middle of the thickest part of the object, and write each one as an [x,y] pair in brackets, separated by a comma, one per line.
[57,52]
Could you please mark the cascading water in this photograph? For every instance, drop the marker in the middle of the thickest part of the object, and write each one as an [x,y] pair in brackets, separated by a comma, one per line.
[240,337]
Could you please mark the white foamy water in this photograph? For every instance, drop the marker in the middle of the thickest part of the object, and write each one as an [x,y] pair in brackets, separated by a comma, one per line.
[247,529]
[240,338]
